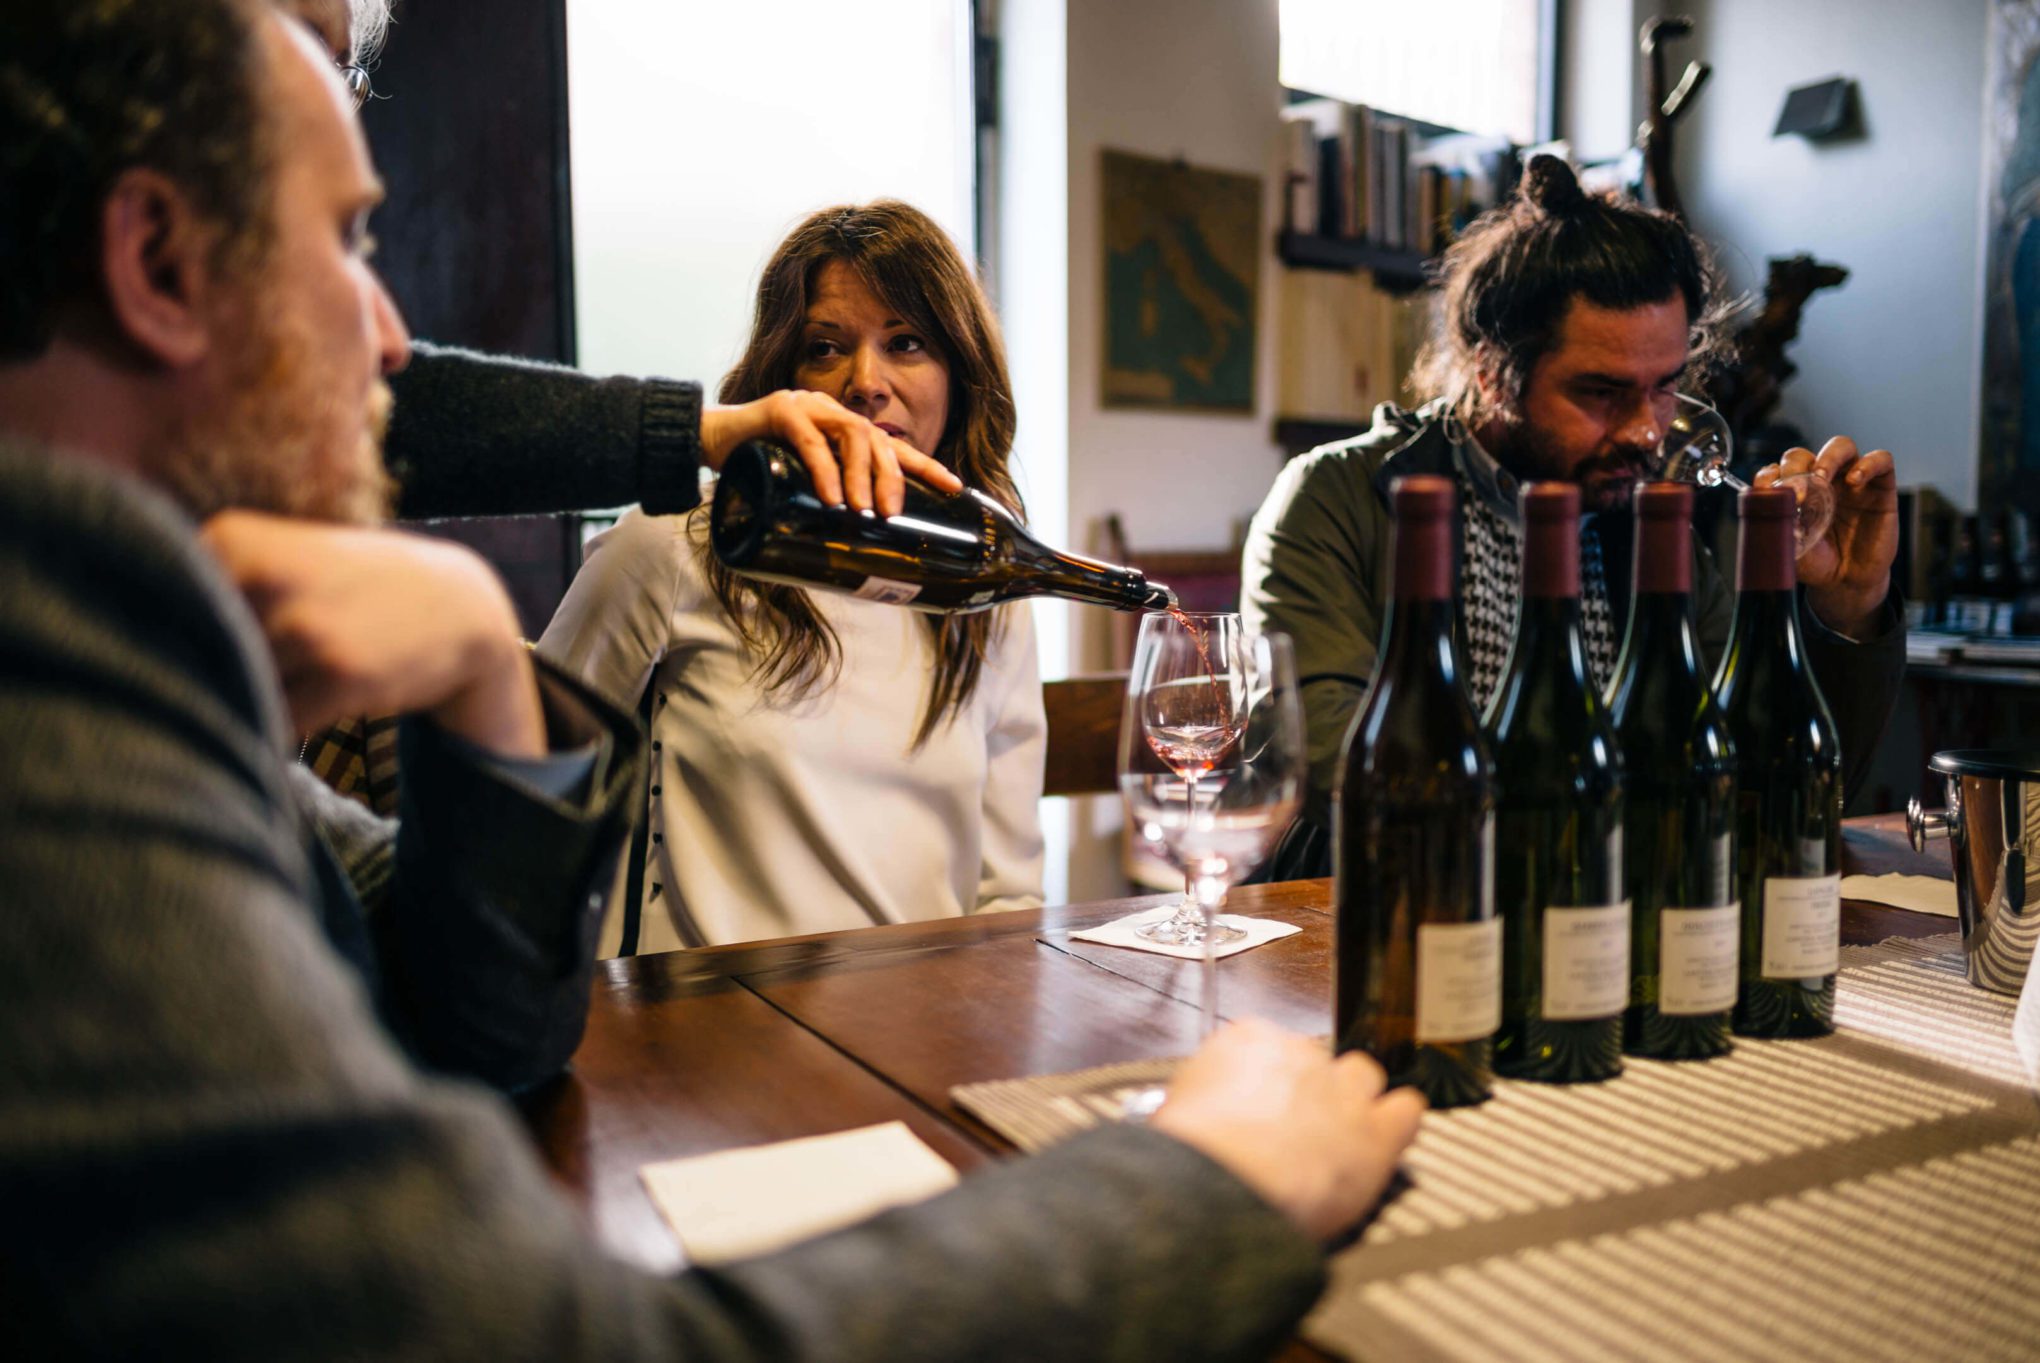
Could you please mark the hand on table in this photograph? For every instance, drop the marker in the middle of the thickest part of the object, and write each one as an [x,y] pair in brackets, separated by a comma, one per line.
[1313,1135]
[1847,573]
[378,622]
[846,455]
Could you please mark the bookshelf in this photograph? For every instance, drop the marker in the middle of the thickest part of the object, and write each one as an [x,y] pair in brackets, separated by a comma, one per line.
[1297,435]
[1395,270]
[1368,190]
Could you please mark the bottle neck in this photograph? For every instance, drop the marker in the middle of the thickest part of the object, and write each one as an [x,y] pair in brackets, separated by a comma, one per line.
[1073,577]
[1659,636]
[1768,621]
[1547,673]
[1549,639]
[1658,687]
[1417,648]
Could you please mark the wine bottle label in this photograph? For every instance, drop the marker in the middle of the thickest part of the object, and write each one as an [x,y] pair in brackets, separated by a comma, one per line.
[1802,926]
[1586,962]
[1697,955]
[888,591]
[1459,981]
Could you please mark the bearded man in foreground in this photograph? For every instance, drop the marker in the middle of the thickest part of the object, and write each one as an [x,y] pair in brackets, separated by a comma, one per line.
[212,1142]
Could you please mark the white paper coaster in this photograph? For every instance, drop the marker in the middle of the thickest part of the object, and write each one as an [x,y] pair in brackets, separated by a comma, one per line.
[1119,933]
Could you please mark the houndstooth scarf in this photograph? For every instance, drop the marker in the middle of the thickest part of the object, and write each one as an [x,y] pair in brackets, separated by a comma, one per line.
[1492,577]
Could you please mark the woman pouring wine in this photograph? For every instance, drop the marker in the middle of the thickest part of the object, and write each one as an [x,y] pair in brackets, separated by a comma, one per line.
[819,761]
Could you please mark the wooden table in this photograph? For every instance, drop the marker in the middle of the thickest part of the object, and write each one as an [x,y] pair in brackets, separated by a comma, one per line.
[693,1051]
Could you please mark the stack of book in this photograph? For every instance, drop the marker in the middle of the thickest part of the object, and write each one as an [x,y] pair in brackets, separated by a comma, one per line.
[1356,174]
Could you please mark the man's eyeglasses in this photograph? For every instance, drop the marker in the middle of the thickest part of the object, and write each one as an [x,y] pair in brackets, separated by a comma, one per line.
[357,82]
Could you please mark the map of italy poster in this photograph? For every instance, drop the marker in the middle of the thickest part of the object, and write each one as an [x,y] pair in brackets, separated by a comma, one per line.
[1182,276]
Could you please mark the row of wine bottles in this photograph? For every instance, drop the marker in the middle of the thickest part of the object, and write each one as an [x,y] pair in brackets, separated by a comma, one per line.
[1573,876]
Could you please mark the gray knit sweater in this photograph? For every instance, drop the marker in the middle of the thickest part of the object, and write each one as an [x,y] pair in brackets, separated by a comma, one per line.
[211,1148]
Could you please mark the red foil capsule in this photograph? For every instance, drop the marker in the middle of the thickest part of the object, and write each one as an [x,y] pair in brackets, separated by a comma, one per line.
[1664,539]
[1766,562]
[1551,540]
[1423,537]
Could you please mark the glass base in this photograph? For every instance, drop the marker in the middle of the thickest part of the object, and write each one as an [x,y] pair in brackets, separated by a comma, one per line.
[1136,1105]
[1185,928]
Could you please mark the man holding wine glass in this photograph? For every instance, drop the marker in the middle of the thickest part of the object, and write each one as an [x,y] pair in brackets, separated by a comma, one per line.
[1567,324]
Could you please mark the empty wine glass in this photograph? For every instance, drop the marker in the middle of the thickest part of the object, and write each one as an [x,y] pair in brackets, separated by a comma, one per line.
[1697,448]
[1186,703]
[1218,817]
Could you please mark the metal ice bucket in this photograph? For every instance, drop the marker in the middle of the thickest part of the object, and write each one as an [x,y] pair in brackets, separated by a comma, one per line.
[1992,824]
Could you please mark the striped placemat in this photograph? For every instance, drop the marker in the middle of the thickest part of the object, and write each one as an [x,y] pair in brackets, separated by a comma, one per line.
[1771,1203]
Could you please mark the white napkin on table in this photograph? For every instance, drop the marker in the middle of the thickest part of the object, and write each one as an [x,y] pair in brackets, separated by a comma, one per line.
[1921,894]
[738,1203]
[1119,933]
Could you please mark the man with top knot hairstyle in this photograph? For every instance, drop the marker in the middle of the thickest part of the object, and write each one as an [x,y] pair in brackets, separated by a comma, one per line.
[1567,324]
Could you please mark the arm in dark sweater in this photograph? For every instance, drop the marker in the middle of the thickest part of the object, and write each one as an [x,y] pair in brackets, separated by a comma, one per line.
[484,435]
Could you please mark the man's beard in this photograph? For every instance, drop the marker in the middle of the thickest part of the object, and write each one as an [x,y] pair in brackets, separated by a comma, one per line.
[1606,481]
[281,443]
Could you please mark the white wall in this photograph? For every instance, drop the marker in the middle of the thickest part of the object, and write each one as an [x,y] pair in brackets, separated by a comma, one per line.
[1032,294]
[1893,357]
[1163,78]
[1166,78]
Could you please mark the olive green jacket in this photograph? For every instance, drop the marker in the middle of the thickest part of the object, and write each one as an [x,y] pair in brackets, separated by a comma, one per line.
[1316,568]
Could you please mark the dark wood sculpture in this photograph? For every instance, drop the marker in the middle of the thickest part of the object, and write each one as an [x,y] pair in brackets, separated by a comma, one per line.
[1746,386]
[1654,137]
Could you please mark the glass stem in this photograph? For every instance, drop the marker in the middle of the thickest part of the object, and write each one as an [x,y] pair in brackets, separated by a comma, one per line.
[1209,891]
[1186,912]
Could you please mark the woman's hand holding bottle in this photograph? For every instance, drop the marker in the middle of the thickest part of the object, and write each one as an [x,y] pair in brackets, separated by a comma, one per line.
[852,461]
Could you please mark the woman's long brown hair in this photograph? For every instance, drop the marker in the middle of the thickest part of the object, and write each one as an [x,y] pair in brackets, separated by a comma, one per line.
[909,264]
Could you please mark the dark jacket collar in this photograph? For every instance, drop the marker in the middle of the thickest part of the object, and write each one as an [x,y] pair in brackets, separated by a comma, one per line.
[1434,441]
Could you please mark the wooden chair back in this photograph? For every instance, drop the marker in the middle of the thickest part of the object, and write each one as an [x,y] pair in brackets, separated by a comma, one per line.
[1083,734]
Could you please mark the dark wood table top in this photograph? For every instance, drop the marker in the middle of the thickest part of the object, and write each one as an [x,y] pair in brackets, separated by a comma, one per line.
[693,1051]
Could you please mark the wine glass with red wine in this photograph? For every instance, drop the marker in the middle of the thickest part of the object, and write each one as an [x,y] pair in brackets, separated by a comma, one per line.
[1697,449]
[1186,705]
[1247,790]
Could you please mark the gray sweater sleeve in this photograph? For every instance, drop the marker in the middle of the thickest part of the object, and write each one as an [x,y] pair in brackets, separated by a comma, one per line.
[486,897]
[210,1149]
[485,435]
